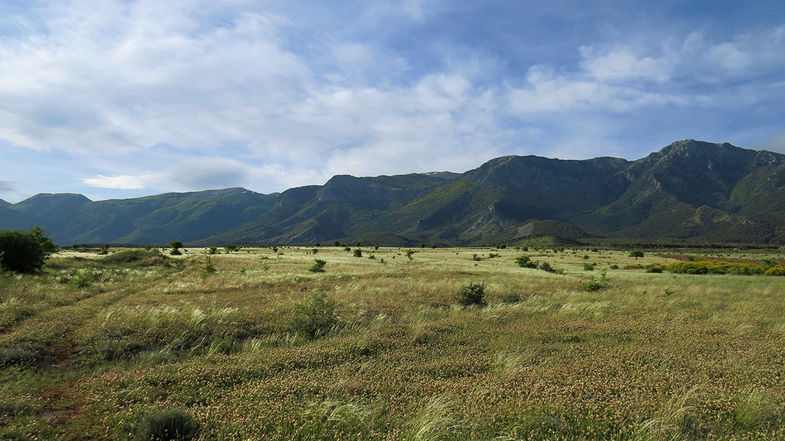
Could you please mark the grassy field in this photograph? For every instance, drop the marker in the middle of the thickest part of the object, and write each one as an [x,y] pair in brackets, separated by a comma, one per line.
[97,350]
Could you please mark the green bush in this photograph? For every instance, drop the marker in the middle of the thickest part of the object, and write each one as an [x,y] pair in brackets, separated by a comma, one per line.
[472,294]
[358,253]
[636,253]
[718,267]
[511,297]
[778,270]
[167,425]
[24,251]
[525,262]
[138,256]
[318,266]
[588,267]
[545,266]
[592,285]
[212,250]
[315,317]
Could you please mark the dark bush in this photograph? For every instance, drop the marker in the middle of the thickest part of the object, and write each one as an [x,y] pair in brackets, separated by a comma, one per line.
[358,253]
[24,251]
[167,425]
[472,294]
[636,253]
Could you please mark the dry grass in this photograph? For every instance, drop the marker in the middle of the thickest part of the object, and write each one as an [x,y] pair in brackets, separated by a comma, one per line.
[647,357]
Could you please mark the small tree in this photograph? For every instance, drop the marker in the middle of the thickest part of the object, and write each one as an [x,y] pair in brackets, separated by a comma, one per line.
[636,254]
[358,253]
[24,252]
[176,245]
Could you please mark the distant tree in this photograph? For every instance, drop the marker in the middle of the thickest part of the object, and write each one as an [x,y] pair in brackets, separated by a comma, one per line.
[636,253]
[358,253]
[25,251]
[176,244]
[337,243]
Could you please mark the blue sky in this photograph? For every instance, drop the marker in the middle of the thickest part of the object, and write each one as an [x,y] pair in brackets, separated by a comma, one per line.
[123,98]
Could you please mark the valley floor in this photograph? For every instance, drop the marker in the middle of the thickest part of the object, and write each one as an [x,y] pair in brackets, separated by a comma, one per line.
[93,351]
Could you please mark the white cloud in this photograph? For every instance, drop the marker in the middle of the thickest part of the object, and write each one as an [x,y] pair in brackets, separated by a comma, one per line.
[623,64]
[546,92]
[7,187]
[296,103]
[117,182]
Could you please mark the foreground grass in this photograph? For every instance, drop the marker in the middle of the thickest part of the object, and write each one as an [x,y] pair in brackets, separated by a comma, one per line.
[96,350]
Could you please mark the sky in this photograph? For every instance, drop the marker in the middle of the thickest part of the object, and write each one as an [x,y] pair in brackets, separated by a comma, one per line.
[125,98]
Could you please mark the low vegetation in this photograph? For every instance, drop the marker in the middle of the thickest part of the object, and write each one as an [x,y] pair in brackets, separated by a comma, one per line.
[434,345]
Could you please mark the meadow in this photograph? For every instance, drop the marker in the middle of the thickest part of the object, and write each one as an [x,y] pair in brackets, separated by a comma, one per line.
[603,346]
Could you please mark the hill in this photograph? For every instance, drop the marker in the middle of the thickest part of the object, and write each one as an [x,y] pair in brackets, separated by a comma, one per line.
[690,190]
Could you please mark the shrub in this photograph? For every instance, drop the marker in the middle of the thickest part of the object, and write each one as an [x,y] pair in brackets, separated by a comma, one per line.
[212,250]
[209,267]
[592,285]
[525,262]
[511,297]
[636,253]
[86,277]
[137,256]
[472,294]
[318,266]
[24,251]
[545,266]
[315,317]
[358,253]
[476,258]
[175,252]
[168,425]
[654,268]
[588,267]
[778,270]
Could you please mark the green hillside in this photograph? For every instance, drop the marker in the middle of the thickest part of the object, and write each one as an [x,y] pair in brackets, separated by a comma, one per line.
[688,191]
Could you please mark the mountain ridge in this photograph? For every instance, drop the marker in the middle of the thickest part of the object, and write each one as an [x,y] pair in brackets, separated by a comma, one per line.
[689,190]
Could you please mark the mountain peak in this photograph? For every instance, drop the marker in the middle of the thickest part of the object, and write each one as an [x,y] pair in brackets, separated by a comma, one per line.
[57,197]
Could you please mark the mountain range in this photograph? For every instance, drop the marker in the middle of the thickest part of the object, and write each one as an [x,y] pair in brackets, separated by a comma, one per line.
[690,191]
